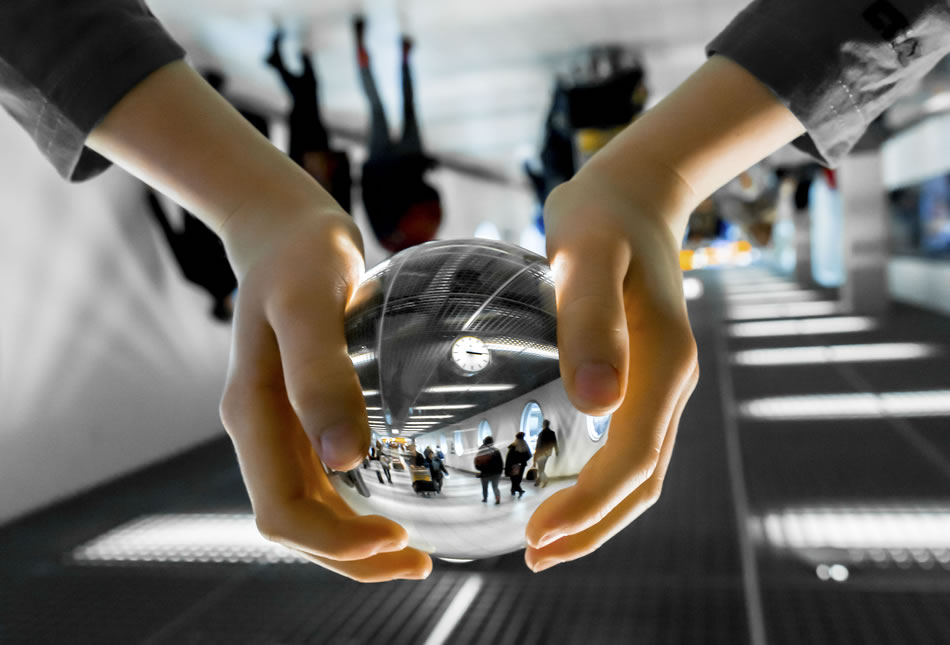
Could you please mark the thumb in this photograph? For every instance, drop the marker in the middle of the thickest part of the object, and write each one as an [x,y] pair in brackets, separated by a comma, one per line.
[592,333]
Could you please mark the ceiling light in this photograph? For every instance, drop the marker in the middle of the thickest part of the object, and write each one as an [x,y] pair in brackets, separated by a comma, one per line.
[802,327]
[440,389]
[693,288]
[784,310]
[834,354]
[849,406]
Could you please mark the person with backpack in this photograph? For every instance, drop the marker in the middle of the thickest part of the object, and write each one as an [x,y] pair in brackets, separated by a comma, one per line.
[489,465]
[516,462]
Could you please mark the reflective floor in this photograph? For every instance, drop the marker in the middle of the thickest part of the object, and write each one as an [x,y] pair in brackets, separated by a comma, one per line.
[808,502]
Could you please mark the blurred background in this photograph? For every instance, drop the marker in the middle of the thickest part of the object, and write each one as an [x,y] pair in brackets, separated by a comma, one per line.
[809,496]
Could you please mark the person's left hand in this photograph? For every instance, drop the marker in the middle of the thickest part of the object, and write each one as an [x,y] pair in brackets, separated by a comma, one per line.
[625,347]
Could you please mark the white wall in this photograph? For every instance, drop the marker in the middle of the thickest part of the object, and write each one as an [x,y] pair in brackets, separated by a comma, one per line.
[108,359]
[575,446]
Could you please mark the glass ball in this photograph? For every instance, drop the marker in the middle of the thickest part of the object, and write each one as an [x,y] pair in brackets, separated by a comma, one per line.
[455,344]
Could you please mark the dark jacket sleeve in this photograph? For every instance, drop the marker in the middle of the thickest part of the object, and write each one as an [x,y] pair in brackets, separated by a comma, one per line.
[837,64]
[65,63]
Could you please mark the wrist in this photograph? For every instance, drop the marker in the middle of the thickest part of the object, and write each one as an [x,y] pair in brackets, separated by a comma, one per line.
[255,231]
[643,191]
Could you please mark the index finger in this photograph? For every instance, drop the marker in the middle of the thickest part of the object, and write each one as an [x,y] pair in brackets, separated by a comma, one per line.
[306,314]
[278,463]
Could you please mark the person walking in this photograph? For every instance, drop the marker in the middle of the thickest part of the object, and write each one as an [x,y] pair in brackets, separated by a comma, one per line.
[547,444]
[516,462]
[309,141]
[382,456]
[436,468]
[489,465]
[403,209]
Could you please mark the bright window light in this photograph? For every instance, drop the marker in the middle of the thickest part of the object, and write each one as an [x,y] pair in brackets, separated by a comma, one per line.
[693,288]
[803,327]
[185,538]
[445,389]
[835,354]
[849,406]
[784,310]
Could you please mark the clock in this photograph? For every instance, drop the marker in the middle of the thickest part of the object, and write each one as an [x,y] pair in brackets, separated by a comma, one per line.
[471,354]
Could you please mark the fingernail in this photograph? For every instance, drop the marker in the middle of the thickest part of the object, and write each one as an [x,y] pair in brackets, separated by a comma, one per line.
[389,547]
[414,575]
[547,539]
[542,565]
[339,446]
[597,383]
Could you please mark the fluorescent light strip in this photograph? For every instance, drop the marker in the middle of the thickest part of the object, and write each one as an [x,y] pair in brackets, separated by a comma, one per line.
[370,392]
[849,406]
[458,406]
[835,354]
[444,389]
[362,358]
[859,527]
[796,294]
[784,310]
[534,349]
[762,287]
[802,327]
[375,271]
[185,538]
[456,609]
[420,417]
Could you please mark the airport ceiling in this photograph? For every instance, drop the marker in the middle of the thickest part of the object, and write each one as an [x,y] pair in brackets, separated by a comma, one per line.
[484,70]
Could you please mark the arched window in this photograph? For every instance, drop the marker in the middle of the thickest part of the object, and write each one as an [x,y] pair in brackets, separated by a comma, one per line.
[443,444]
[531,421]
[484,430]
[597,427]
[459,447]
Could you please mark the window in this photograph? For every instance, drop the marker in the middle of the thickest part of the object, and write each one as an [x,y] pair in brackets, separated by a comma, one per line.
[484,430]
[443,444]
[531,422]
[458,446]
[597,427]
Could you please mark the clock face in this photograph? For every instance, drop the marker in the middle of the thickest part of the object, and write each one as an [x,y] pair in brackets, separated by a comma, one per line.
[470,354]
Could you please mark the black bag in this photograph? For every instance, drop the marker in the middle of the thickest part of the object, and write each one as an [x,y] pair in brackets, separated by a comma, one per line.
[532,474]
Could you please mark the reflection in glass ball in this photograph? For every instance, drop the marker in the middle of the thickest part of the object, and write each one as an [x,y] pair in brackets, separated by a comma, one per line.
[455,346]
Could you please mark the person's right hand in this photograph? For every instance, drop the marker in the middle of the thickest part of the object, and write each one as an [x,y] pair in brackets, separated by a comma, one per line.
[293,397]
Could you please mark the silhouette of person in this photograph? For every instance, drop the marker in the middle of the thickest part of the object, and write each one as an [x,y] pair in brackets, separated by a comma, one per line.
[200,256]
[403,209]
[489,465]
[519,453]
[197,250]
[381,456]
[547,444]
[309,141]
